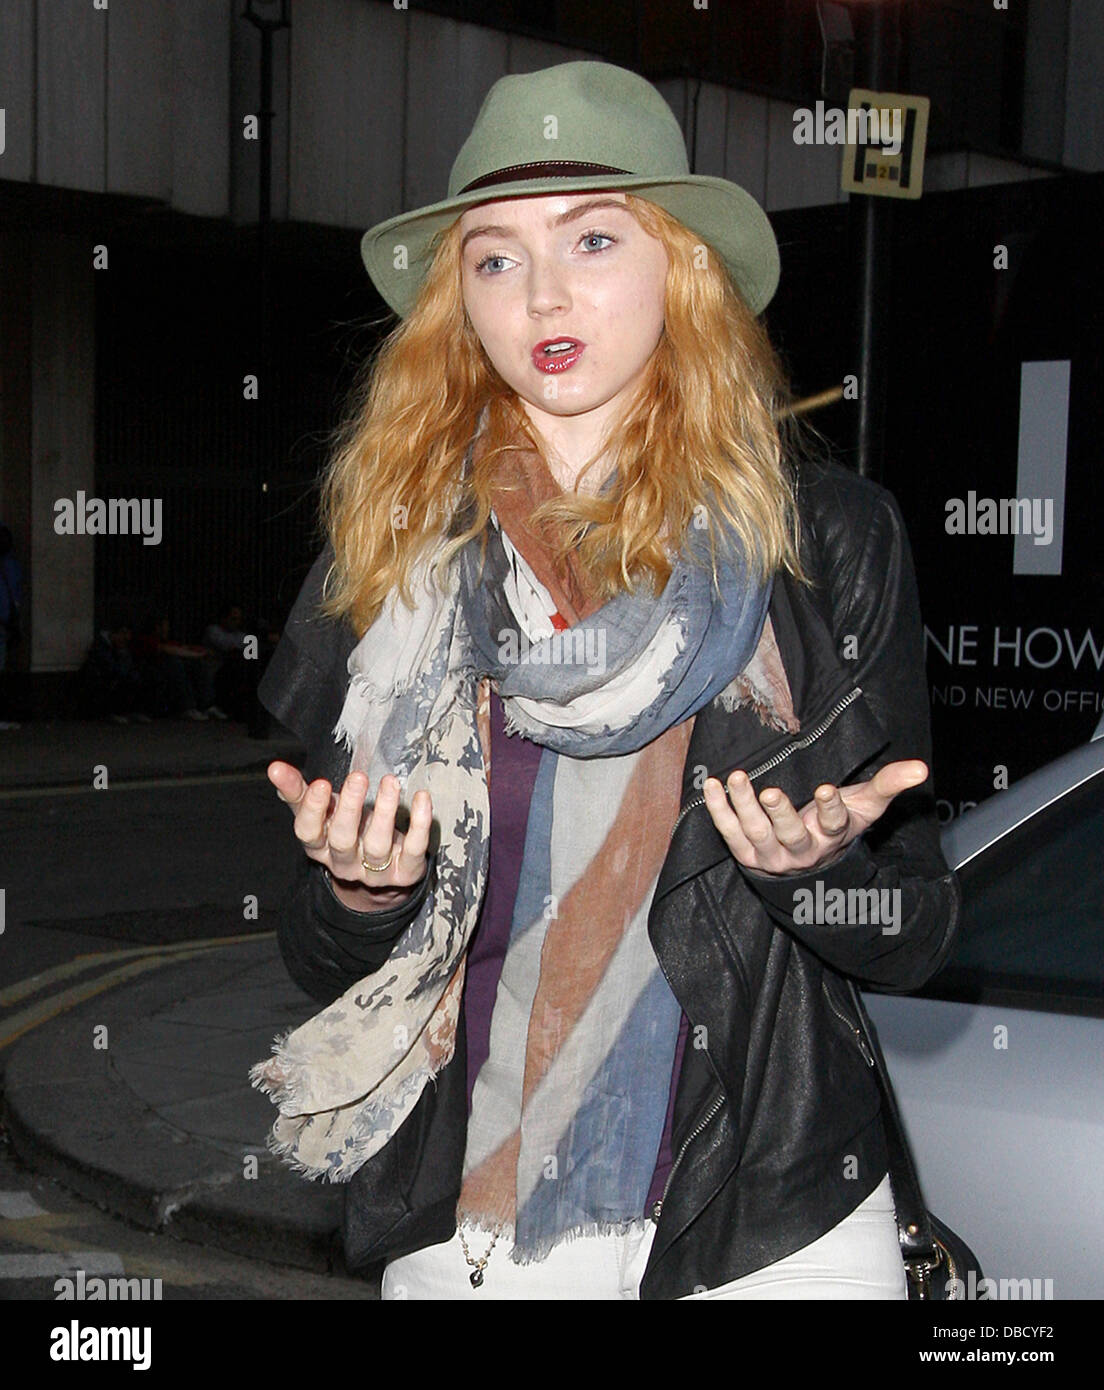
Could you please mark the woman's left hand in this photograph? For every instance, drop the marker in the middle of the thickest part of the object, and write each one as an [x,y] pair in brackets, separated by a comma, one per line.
[767,835]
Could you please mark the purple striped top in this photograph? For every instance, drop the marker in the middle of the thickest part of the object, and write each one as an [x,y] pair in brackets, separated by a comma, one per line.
[514,763]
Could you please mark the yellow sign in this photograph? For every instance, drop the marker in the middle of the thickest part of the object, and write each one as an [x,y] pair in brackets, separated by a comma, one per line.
[886,136]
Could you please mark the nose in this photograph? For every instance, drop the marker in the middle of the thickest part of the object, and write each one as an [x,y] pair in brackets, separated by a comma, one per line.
[548,289]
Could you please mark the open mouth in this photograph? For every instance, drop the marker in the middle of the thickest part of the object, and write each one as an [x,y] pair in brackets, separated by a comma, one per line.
[557,354]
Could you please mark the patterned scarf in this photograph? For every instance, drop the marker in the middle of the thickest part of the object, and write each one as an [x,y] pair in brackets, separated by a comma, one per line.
[568,1111]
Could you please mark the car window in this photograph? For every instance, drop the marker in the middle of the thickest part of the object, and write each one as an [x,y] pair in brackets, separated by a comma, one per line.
[1032,930]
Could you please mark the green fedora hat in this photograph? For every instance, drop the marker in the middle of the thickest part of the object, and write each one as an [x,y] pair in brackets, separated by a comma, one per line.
[566,129]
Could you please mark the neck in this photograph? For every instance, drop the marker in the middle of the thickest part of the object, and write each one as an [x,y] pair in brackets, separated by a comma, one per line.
[568,441]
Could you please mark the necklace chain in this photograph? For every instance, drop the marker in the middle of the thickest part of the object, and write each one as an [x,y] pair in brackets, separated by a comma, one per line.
[481,1264]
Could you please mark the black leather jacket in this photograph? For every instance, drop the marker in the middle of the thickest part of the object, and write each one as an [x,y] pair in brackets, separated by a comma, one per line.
[777,1125]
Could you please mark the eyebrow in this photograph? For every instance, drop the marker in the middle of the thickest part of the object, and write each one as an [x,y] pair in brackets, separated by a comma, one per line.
[571,215]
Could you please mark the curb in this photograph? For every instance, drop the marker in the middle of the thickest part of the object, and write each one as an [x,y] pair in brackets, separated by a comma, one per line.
[174,774]
[72,1116]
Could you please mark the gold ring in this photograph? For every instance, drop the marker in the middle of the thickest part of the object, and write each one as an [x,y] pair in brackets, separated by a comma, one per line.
[377,868]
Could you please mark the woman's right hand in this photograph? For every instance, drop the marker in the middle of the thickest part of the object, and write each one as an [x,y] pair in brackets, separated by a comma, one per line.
[331,832]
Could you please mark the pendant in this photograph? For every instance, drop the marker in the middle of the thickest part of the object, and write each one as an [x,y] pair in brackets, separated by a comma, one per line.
[476,1278]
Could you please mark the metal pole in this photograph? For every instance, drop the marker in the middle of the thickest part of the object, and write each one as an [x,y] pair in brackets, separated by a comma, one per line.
[258,720]
[877,37]
[264,212]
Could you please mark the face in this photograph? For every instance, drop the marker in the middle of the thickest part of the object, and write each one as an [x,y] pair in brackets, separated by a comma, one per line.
[577,268]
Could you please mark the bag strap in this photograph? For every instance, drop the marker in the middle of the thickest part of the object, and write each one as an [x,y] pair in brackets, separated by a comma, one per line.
[914,1229]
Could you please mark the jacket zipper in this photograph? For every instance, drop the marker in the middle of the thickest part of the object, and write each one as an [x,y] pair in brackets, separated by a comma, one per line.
[783,753]
[773,762]
[707,1118]
[863,1048]
[657,1207]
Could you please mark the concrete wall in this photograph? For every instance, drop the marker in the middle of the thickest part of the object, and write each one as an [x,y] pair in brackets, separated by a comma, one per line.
[372,103]
[134,99]
[147,98]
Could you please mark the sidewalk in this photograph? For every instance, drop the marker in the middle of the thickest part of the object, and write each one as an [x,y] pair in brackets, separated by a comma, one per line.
[161,1126]
[63,752]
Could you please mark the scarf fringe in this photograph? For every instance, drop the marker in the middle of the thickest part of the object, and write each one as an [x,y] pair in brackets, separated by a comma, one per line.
[362,694]
[536,1254]
[280,1093]
[762,705]
[356,1152]
[285,1149]
[511,724]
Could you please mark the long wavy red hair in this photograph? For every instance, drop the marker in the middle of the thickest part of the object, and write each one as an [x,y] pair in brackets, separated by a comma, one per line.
[701,439]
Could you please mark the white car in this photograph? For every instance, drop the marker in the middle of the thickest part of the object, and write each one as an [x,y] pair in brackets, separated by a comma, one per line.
[998,1063]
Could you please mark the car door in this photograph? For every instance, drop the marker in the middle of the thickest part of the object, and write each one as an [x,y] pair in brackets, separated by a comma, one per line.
[997,1062]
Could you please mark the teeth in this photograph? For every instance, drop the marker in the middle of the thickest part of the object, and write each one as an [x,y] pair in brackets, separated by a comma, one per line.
[559,347]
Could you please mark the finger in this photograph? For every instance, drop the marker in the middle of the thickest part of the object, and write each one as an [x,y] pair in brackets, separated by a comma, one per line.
[343,831]
[791,831]
[894,778]
[754,821]
[310,819]
[728,823]
[870,799]
[378,837]
[415,843]
[833,816]
[288,782]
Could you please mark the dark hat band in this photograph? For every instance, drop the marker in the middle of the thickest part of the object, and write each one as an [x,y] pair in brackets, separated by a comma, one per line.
[540,169]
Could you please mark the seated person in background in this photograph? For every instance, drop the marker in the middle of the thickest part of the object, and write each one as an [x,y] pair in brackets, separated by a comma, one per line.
[182,680]
[110,684]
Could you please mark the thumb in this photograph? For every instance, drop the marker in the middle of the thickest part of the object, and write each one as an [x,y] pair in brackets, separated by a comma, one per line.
[894,778]
[287,780]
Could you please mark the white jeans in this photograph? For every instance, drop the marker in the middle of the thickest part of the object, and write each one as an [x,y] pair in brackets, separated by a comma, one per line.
[858,1259]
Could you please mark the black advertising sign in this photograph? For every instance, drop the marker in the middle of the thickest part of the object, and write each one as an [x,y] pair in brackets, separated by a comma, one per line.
[994,452]
[994,422]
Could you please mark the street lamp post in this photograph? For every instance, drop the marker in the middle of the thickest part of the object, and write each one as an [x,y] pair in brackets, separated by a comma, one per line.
[267,16]
[877,28]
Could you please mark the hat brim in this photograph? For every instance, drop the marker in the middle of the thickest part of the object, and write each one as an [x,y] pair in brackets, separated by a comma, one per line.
[396,252]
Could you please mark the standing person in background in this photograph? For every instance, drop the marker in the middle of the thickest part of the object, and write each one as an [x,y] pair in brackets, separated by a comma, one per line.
[228,675]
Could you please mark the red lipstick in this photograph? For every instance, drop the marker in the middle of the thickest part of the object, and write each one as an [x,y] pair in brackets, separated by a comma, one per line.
[557,354]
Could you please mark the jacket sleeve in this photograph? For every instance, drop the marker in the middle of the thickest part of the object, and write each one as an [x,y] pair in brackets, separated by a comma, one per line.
[873,598]
[327,947]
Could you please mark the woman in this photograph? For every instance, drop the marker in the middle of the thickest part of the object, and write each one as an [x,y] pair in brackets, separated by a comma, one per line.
[578,605]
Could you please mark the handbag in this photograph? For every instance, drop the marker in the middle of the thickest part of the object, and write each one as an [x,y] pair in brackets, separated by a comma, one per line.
[934,1255]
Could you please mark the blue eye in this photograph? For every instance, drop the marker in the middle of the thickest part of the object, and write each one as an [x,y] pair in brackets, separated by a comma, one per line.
[480,265]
